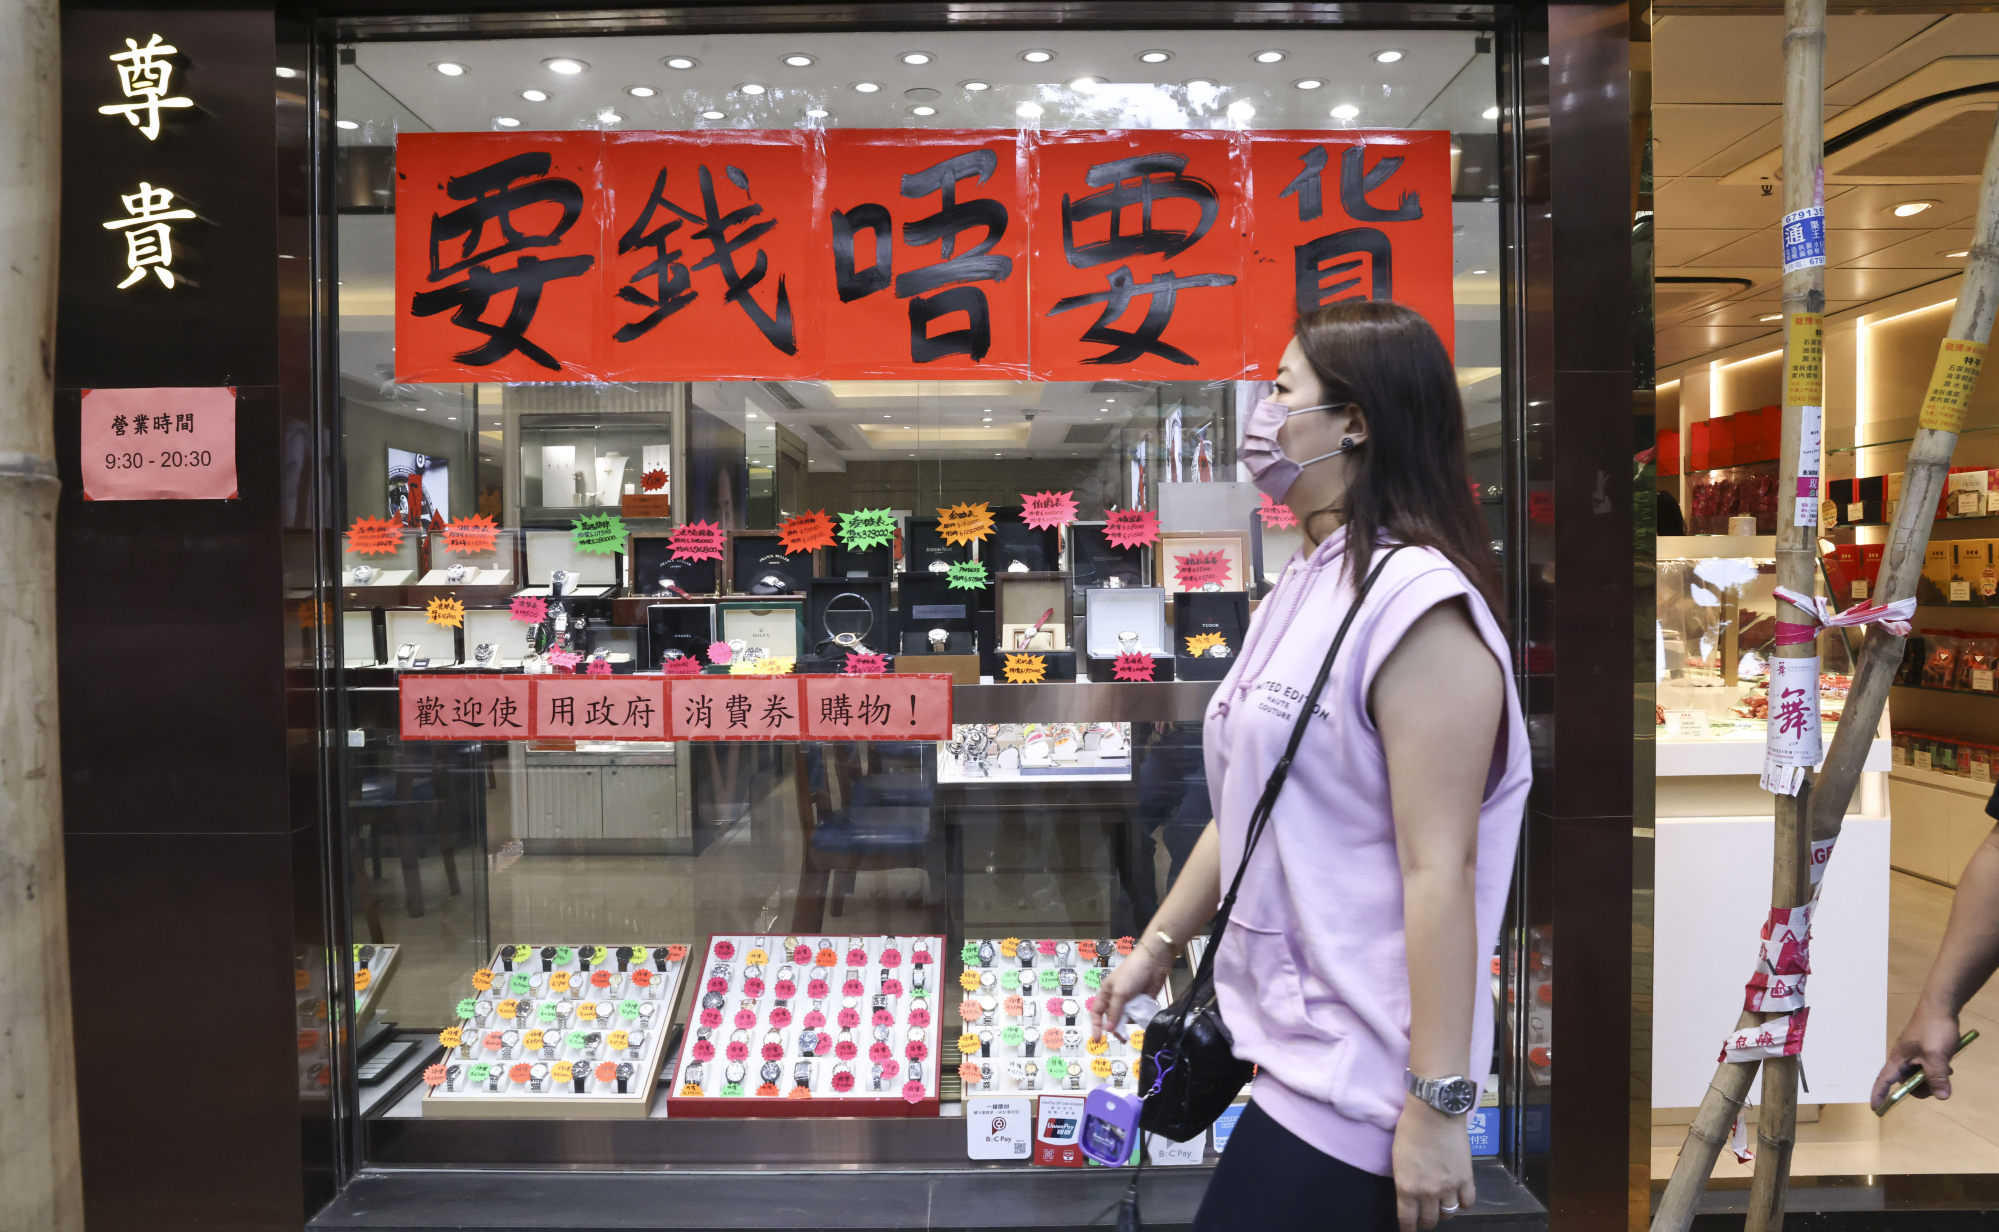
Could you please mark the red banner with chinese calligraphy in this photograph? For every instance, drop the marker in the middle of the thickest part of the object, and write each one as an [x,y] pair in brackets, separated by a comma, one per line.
[784,255]
[465,707]
[599,708]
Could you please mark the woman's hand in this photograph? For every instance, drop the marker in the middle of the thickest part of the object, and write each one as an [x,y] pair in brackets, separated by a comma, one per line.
[1142,973]
[1432,1165]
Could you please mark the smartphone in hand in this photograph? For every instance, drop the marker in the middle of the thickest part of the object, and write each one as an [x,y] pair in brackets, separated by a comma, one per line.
[1916,1084]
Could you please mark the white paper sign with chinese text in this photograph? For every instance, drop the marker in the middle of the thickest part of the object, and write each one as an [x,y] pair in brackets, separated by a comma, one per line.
[1793,735]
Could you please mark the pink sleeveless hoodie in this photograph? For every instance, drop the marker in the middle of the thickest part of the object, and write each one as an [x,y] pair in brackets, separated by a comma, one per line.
[1312,974]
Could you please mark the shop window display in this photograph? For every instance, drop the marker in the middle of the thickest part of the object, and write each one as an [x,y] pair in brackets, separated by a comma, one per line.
[710,396]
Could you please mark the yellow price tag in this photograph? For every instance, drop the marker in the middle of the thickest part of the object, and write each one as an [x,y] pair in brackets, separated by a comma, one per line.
[968,980]
[558,981]
[451,1037]
[509,1008]
[533,1041]
[1098,1045]
[756,958]
[1137,1035]
[482,979]
[1101,1067]
[968,1044]
[586,1011]
[619,1041]
[562,1071]
[362,979]
[1010,946]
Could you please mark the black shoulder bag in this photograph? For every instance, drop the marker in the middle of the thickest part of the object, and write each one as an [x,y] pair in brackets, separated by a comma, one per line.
[1188,1067]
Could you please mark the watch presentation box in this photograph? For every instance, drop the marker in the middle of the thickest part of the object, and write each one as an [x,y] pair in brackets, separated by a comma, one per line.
[559,1031]
[825,1026]
[847,614]
[596,574]
[1024,1024]
[1107,613]
[759,565]
[686,627]
[652,562]
[496,628]
[1034,610]
[1015,543]
[924,548]
[868,562]
[926,601]
[777,625]
[1207,616]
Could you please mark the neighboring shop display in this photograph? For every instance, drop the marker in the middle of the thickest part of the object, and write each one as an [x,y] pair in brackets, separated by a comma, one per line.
[1967,759]
[1024,1011]
[558,1031]
[373,965]
[827,1026]
[1044,751]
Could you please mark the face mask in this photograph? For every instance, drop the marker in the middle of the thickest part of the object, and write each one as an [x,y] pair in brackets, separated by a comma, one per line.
[1272,472]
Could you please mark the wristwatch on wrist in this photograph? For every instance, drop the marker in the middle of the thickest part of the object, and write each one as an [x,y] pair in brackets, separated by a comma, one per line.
[1452,1095]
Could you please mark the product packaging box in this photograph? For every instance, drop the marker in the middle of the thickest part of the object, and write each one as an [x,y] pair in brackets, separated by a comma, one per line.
[1870,567]
[1721,440]
[1964,494]
[1936,573]
[1700,445]
[1669,452]
[1058,1129]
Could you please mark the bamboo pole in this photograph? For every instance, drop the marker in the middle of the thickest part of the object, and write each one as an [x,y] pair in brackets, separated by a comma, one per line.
[40,1182]
[1825,802]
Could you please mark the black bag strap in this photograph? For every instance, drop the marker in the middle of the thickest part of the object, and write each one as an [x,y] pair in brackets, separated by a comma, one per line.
[1282,770]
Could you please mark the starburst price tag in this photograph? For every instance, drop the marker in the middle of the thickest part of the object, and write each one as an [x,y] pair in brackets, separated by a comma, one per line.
[529,609]
[1048,510]
[967,575]
[448,613]
[867,528]
[1026,668]
[1133,665]
[598,534]
[804,532]
[1198,569]
[1201,643]
[1131,528]
[685,665]
[698,541]
[653,480]
[474,533]
[962,524]
[866,665]
[374,537]
[1274,515]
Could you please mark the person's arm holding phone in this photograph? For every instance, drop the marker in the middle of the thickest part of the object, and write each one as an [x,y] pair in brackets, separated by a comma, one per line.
[1965,960]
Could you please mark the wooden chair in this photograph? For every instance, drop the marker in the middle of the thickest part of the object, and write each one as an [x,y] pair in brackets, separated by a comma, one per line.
[884,821]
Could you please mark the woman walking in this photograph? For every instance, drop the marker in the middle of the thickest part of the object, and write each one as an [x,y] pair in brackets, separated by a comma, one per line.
[1352,970]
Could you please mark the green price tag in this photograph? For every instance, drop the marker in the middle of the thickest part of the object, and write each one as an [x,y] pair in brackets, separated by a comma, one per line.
[639,954]
[564,955]
[628,1009]
[1093,976]
[545,1012]
[598,535]
[357,952]
[467,1008]
[1056,1068]
[479,1071]
[1010,980]
[733,1089]
[967,575]
[519,984]
[575,1039]
[1011,1037]
[867,528]
[969,955]
[1048,978]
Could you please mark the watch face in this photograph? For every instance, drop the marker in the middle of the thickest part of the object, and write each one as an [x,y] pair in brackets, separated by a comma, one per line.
[1458,1095]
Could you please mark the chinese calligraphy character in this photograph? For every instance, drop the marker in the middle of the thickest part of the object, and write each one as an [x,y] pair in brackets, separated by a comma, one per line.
[149,242]
[139,425]
[142,75]
[1791,715]
[738,707]
[873,710]
[1355,254]
[492,195]
[1140,182]
[503,712]
[599,713]
[937,290]
[700,711]
[638,712]
[184,421]
[466,711]
[562,710]
[775,714]
[429,712]
[673,281]
[118,425]
[834,709]
[162,423]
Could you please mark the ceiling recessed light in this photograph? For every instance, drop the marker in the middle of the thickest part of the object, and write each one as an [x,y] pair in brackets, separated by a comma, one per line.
[1268,57]
[1387,57]
[1477,272]
[1490,113]
[1086,84]
[867,87]
[564,65]
[770,427]
[888,417]
[1909,209]
[640,91]
[1155,56]
[506,121]
[798,59]
[915,57]
[906,427]
[449,68]
[749,414]
[1308,83]
[452,418]
[817,113]
[1200,83]
[535,96]
[608,116]
[711,114]
[420,410]
[1768,317]
[287,73]
[349,125]
[1544,61]
[974,87]
[923,111]
[987,419]
[1037,56]
[750,87]
[1345,111]
[1028,111]
[680,62]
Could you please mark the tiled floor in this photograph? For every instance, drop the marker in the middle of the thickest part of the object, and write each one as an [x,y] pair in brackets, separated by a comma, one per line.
[1960,1135]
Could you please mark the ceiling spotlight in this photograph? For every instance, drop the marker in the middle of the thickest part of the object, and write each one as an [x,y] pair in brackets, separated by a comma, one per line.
[1480,271]
[1909,209]
[564,65]
[798,59]
[287,73]
[680,62]
[449,68]
[1307,83]
[535,96]
[888,417]
[608,116]
[420,410]
[349,125]
[973,87]
[915,57]
[923,111]
[1387,57]
[1085,84]
[711,114]
[1028,111]
[506,121]
[750,87]
[1037,56]
[817,113]
[1345,111]
[1490,113]
[1200,83]
[1268,57]
[1241,109]
[640,91]
[1154,57]
[987,419]
[1768,317]
[867,87]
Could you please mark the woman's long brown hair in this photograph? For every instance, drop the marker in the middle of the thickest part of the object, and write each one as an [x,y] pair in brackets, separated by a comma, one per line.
[1410,478]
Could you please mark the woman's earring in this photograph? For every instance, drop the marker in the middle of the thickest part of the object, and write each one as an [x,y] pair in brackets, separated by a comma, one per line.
[1346,442]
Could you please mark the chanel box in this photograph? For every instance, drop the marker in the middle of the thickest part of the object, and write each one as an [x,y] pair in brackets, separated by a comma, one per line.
[686,627]
[758,565]
[1207,615]
[777,625]
[1107,613]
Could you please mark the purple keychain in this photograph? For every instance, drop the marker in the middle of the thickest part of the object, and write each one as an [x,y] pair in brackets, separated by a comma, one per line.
[1110,1127]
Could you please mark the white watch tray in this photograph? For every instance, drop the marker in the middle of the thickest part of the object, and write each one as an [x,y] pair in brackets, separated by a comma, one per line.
[1001,1063]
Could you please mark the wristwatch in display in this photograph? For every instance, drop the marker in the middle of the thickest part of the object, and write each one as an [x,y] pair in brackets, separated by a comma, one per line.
[939,639]
[406,654]
[987,952]
[1113,583]
[561,582]
[940,566]
[801,1074]
[455,574]
[1220,650]
[625,1072]
[1128,642]
[1452,1095]
[770,584]
[1211,586]
[670,588]
[362,574]
[482,654]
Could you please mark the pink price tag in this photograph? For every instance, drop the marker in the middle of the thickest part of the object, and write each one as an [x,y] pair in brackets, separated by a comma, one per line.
[785,990]
[849,1019]
[817,990]
[913,1090]
[711,1019]
[745,1019]
[857,957]
[852,988]
[1198,569]
[878,1052]
[801,954]
[753,987]
[845,1050]
[891,957]
[884,1019]
[843,1081]
[780,1017]
[773,1051]
[159,444]
[892,987]
[703,1050]
[815,1019]
[919,1017]
[737,1051]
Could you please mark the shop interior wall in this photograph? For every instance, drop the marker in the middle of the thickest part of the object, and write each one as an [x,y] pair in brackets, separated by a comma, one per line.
[370,433]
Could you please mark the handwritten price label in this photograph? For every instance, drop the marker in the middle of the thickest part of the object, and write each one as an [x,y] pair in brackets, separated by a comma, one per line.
[467,535]
[1130,528]
[447,613]
[159,444]
[967,575]
[374,537]
[1133,665]
[867,528]
[1198,569]
[698,541]
[598,535]
[1048,510]
[962,524]
[653,480]
[805,532]
[1274,515]
[528,609]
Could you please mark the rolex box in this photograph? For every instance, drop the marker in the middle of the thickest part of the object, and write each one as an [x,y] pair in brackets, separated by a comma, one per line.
[777,625]
[1203,620]
[1108,613]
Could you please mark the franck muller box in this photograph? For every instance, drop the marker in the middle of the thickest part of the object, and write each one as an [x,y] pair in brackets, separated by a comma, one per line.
[758,565]
[1202,622]
[1058,1131]
[1108,613]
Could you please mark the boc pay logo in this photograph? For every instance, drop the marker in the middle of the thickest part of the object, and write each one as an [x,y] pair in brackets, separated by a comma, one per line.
[998,1127]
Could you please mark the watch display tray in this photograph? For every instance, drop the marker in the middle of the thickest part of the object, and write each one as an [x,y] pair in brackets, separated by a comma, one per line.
[884,1011]
[1038,1032]
[486,1016]
[373,965]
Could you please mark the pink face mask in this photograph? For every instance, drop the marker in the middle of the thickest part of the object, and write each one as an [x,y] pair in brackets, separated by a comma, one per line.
[1272,472]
